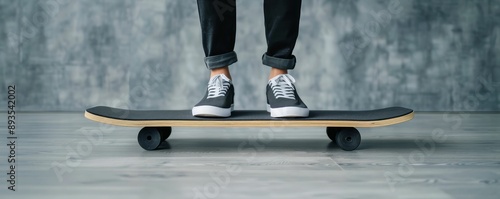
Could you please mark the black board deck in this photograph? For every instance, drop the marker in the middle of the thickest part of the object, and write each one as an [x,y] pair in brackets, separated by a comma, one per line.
[248,115]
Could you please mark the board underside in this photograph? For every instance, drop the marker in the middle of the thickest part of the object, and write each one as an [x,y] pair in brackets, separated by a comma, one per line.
[249,118]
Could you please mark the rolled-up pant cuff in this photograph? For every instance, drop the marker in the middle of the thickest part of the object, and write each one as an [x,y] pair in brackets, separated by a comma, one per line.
[219,61]
[287,64]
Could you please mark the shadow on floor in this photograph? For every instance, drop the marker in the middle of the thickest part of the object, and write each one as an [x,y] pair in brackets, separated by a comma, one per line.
[309,145]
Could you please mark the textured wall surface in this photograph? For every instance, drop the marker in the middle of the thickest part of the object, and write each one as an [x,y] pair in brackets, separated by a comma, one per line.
[430,55]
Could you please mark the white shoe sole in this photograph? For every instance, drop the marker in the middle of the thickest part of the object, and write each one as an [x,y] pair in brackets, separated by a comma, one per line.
[211,111]
[288,111]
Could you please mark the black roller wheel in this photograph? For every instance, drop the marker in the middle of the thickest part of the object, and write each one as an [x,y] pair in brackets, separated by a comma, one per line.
[332,132]
[164,132]
[150,138]
[348,138]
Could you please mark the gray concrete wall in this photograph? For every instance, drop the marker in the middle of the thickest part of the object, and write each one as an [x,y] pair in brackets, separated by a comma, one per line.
[430,55]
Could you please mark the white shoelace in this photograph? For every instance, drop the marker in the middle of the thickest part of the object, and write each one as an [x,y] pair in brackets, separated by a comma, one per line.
[218,86]
[282,86]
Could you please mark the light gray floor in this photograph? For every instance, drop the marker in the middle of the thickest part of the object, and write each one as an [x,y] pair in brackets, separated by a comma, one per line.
[275,162]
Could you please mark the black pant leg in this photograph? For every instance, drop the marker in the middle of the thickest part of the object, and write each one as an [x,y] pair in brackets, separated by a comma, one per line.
[282,29]
[218,27]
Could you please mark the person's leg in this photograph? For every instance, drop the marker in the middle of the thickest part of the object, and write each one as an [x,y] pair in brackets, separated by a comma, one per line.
[218,27]
[282,29]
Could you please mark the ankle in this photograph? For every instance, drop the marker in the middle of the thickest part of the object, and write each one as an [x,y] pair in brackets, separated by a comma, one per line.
[218,71]
[276,71]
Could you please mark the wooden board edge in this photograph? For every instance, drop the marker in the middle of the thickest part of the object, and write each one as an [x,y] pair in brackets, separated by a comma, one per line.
[253,123]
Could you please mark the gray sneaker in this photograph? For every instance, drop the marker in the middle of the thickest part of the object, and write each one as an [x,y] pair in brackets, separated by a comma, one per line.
[282,98]
[218,100]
